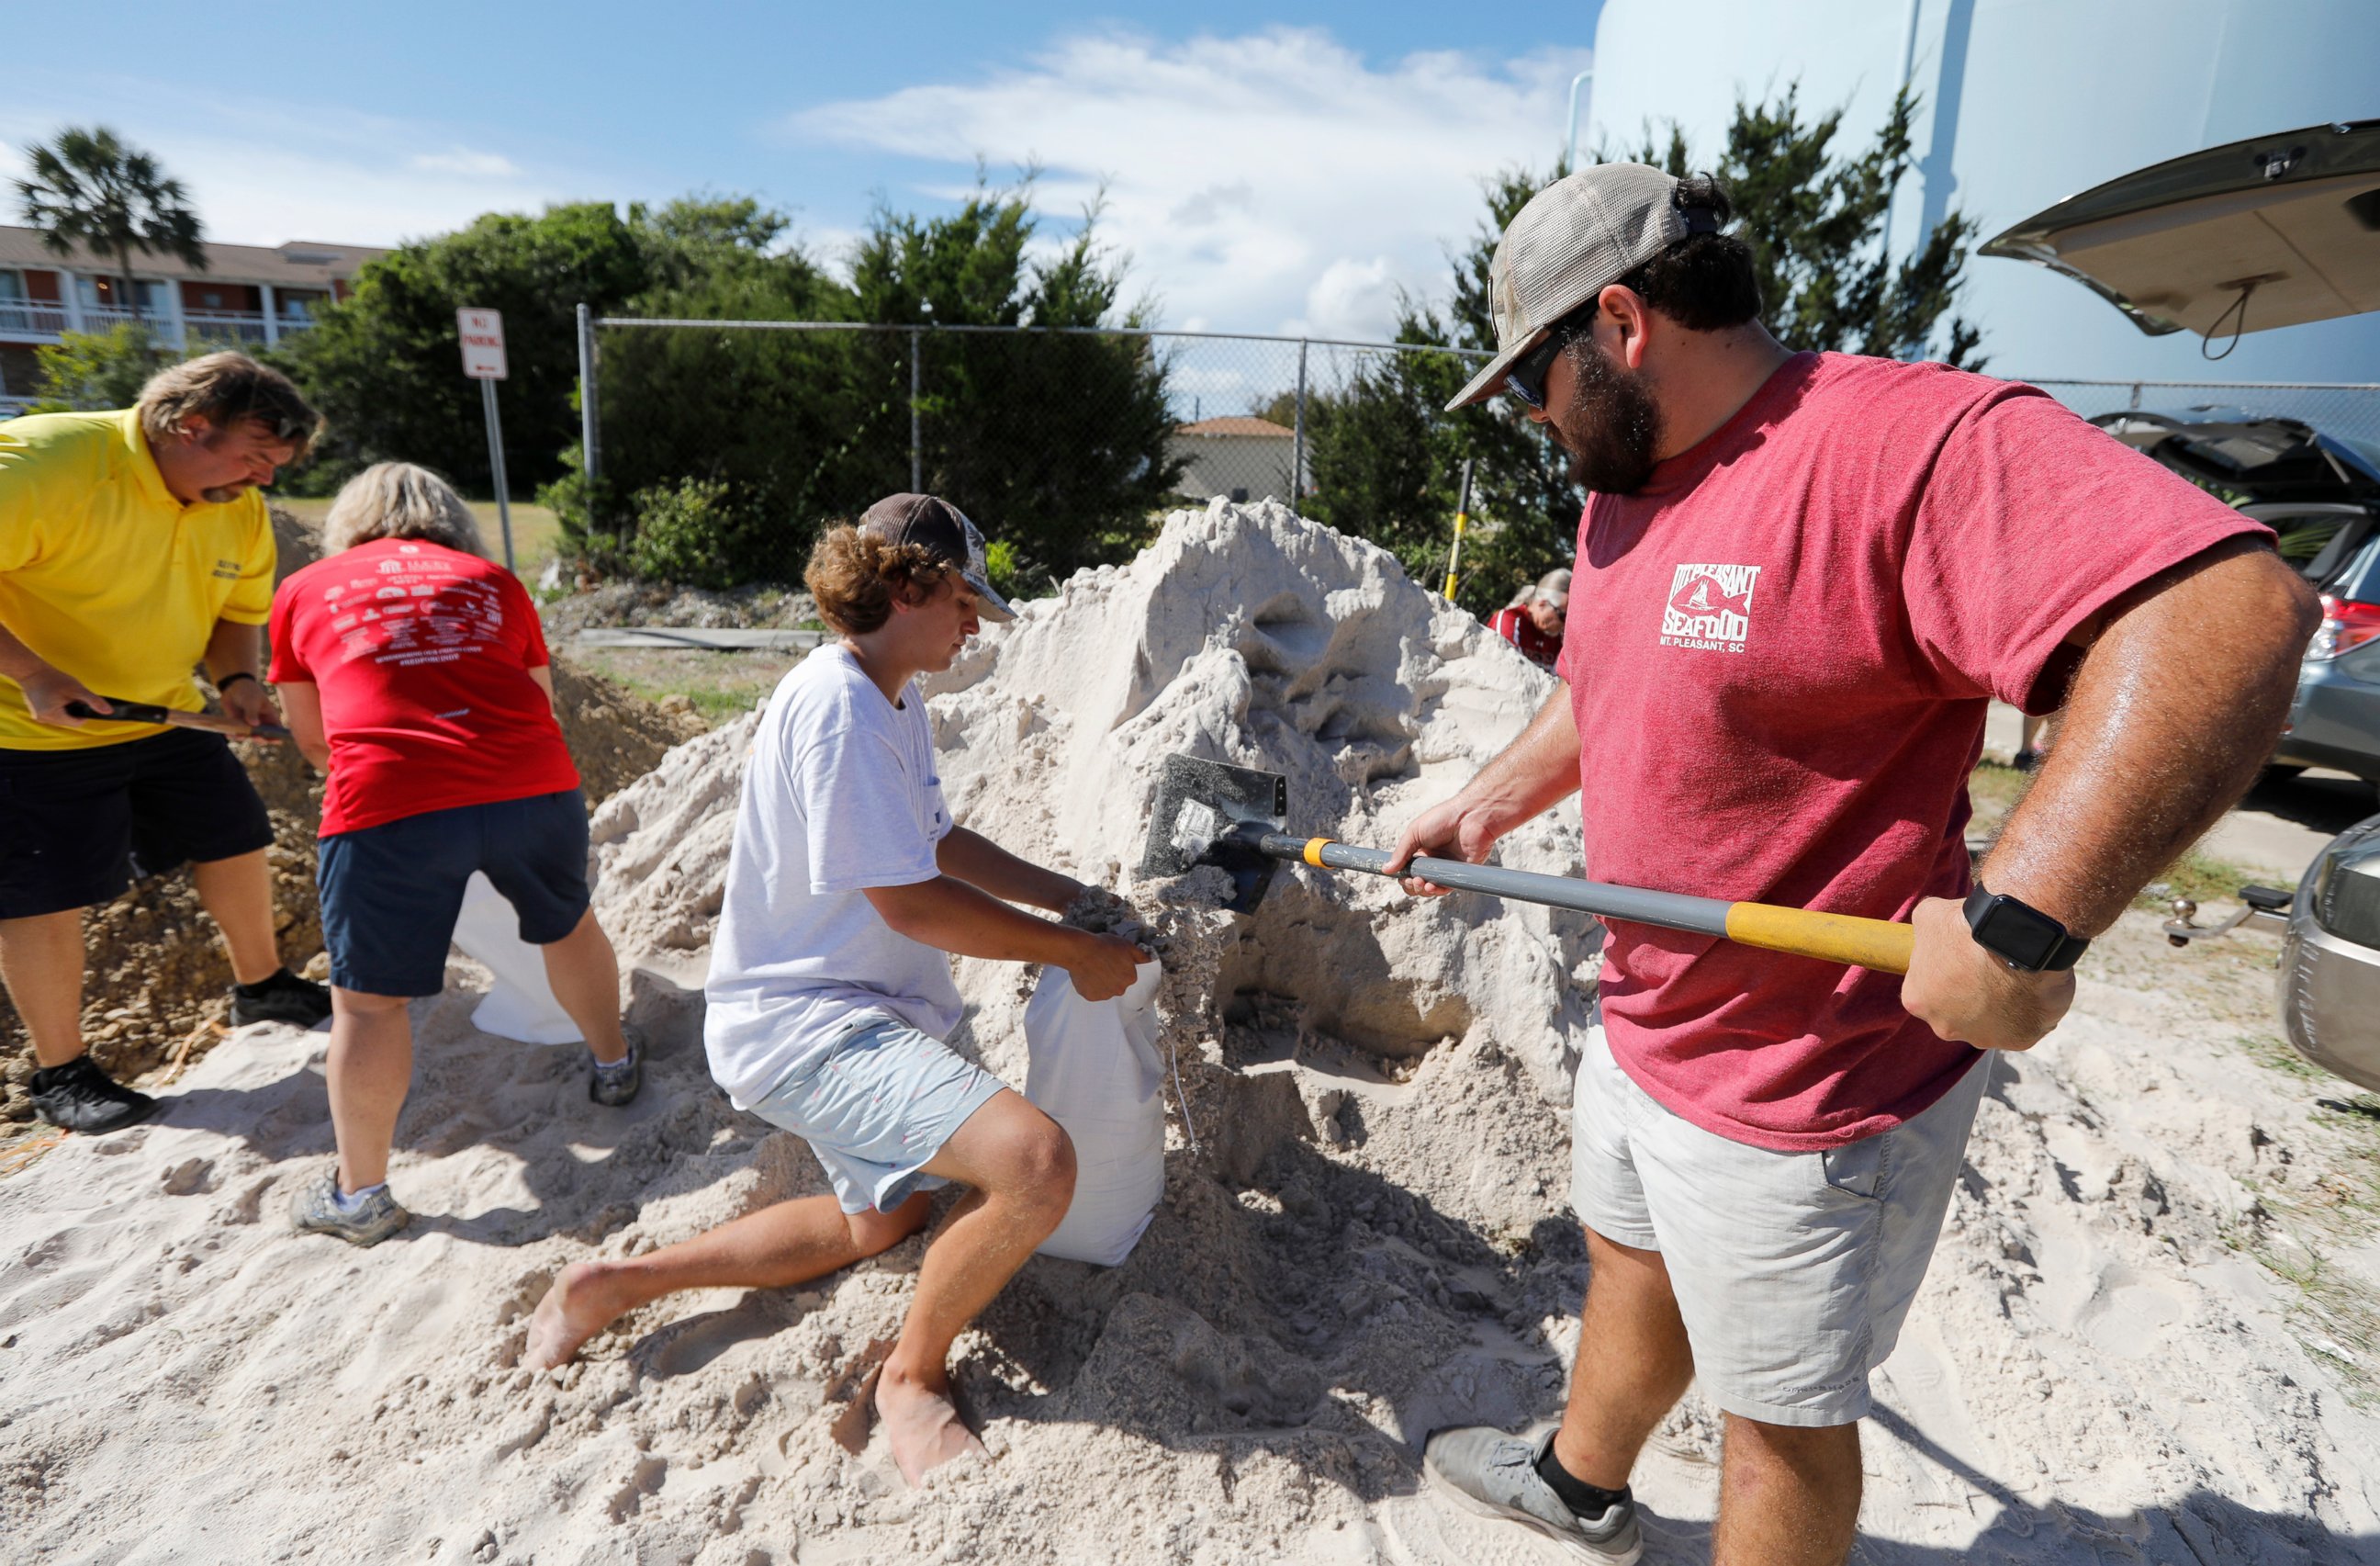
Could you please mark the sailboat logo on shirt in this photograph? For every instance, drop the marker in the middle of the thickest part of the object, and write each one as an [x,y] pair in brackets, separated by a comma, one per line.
[1709,608]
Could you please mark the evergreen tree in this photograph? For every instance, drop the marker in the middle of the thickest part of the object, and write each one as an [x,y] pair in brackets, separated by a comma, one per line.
[1386,460]
[1054,439]
[384,368]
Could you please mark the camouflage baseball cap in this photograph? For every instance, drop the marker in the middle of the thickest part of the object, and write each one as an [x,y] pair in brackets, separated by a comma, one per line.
[942,529]
[1576,237]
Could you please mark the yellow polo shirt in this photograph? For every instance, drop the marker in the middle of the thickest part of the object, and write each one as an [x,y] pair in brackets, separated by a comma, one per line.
[108,577]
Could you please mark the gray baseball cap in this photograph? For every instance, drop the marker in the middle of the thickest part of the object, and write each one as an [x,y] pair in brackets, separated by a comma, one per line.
[1576,237]
[943,531]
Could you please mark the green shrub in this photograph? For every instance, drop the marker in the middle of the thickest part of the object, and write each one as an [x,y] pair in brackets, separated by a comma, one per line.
[1001,564]
[692,532]
[91,371]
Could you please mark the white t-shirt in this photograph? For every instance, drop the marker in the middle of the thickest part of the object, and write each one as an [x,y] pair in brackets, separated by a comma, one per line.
[839,794]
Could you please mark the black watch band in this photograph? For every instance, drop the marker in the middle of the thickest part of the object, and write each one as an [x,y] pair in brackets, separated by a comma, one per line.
[227,681]
[2020,934]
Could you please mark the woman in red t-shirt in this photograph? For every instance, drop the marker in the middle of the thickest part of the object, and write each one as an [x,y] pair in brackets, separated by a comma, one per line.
[413,669]
[1533,622]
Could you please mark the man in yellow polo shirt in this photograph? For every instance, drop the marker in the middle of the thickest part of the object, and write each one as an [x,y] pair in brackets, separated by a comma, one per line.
[134,546]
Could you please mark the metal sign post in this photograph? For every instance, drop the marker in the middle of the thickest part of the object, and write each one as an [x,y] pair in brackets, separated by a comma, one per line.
[482,334]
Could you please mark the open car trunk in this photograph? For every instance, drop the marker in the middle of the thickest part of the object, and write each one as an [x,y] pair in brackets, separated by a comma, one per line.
[2320,492]
[2271,232]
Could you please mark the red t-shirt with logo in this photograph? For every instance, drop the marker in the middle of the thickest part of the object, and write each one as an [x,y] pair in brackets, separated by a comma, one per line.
[1513,624]
[421,656]
[1779,652]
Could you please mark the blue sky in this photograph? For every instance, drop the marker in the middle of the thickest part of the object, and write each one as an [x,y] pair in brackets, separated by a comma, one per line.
[1265,170]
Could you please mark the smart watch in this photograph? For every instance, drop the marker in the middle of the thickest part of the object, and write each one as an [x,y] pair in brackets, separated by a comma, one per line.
[2020,934]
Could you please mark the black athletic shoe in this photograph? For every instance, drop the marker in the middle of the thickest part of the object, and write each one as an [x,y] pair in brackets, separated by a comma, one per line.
[80,1097]
[284,997]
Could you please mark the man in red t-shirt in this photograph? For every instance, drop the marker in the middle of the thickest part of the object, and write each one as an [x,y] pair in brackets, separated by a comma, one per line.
[1800,580]
[1533,622]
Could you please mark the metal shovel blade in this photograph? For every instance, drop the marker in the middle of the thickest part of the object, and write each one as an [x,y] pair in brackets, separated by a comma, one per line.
[1198,803]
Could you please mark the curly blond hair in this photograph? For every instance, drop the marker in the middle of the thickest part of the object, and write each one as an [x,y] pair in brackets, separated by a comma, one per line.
[854,574]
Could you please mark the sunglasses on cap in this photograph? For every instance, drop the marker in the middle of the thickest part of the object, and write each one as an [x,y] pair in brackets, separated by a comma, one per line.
[1526,378]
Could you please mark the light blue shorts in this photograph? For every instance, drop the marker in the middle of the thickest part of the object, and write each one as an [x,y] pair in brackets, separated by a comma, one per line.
[878,1109]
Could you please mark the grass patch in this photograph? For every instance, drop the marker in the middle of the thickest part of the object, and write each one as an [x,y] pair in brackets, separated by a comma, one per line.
[2296,1227]
[2272,1052]
[721,686]
[2199,876]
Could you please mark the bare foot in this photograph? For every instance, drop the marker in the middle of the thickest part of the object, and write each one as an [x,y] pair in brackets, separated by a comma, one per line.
[576,1308]
[922,1425]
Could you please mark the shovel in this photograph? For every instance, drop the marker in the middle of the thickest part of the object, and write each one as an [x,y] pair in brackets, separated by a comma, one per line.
[149,712]
[1233,817]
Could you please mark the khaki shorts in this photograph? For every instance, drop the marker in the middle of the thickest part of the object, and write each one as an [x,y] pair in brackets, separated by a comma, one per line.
[1792,1271]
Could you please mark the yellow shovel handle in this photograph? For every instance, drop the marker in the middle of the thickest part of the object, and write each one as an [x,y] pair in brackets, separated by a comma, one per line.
[1879,944]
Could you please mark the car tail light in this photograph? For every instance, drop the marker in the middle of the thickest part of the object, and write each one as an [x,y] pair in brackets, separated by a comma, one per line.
[2345,625]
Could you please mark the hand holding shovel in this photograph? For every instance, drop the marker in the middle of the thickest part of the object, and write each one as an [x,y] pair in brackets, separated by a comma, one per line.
[1234,818]
[121,711]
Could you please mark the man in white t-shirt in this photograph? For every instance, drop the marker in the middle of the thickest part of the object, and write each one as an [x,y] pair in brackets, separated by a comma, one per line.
[830,990]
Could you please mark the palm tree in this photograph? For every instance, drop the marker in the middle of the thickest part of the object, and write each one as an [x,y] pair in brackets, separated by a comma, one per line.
[91,189]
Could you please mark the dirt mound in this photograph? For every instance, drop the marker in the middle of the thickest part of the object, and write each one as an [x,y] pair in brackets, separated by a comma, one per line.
[155,987]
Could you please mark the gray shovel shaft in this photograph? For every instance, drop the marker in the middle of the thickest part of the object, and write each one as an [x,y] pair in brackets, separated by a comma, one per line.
[1672,910]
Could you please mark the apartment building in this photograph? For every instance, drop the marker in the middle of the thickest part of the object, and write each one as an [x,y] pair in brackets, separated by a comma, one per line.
[248,296]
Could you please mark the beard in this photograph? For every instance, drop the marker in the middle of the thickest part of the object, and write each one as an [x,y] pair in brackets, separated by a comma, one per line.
[223,495]
[1611,428]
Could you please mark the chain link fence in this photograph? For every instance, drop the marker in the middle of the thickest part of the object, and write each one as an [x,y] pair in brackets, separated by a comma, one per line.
[1070,444]
[713,450]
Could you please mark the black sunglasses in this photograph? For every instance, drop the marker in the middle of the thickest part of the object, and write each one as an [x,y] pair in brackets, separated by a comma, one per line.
[1526,378]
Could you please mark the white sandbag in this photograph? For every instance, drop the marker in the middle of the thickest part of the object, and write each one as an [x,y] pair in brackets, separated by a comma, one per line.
[1094,1069]
[520,1003]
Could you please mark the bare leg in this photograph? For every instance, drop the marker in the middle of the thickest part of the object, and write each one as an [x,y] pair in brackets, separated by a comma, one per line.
[41,962]
[1787,1497]
[586,979]
[370,1065]
[1022,1167]
[238,892]
[1633,1364]
[777,1247]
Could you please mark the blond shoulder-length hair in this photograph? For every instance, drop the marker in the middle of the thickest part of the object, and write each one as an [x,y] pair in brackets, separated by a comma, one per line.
[400,500]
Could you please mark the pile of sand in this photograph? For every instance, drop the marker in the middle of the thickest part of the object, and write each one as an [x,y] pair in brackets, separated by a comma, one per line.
[1368,1240]
[154,989]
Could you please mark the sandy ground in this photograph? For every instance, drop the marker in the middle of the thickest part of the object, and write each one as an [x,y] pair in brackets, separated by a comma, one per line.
[2146,1337]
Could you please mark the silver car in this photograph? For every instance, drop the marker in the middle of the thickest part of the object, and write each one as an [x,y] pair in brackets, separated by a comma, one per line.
[2330,958]
[2321,493]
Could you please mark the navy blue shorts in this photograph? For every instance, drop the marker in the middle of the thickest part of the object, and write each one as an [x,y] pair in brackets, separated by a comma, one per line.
[77,826]
[391,893]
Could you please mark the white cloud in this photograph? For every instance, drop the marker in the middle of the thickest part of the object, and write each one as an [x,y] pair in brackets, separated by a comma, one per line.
[463,161]
[1271,182]
[262,174]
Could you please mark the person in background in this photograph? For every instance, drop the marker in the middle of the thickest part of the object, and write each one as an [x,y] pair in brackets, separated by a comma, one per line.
[1533,621]
[413,670]
[134,546]
[830,992]
[2038,732]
